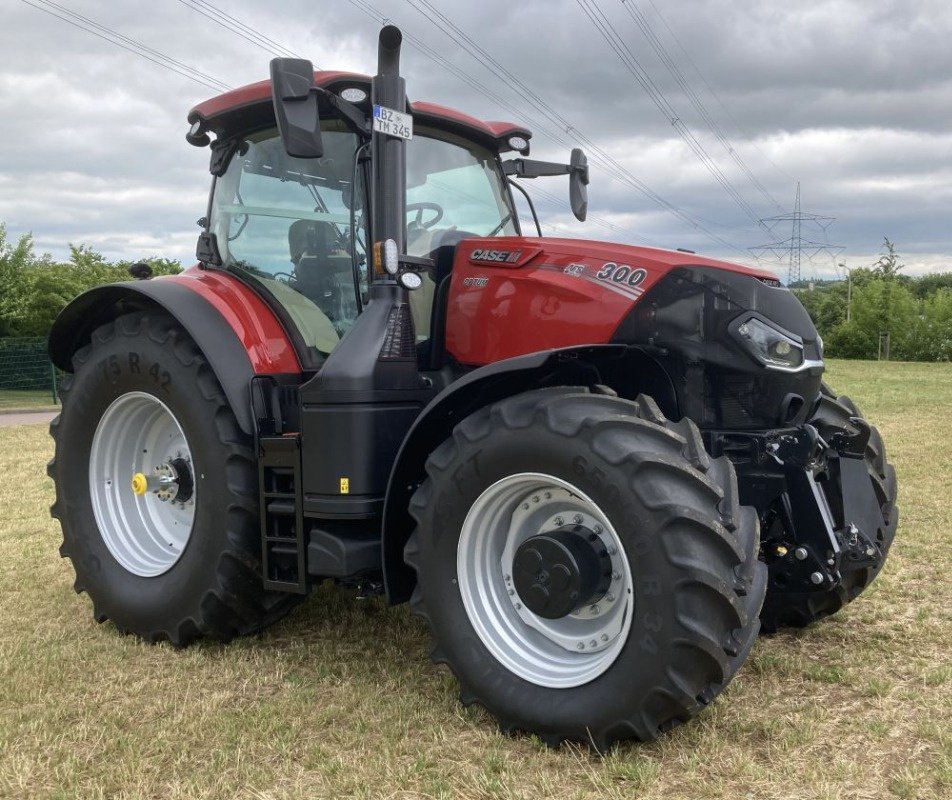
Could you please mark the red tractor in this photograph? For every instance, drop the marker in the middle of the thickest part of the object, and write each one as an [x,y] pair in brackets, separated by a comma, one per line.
[595,470]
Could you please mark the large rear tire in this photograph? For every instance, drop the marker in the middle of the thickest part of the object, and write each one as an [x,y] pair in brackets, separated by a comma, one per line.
[677,612]
[786,608]
[143,396]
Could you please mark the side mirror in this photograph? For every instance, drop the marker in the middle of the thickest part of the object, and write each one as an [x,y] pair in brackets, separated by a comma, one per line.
[295,107]
[578,184]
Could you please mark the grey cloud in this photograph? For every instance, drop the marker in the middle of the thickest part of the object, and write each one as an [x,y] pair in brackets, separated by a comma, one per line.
[852,98]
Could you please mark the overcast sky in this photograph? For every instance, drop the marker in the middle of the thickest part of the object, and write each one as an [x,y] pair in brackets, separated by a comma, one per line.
[852,99]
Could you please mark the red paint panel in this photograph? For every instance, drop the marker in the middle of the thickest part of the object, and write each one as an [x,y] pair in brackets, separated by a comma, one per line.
[267,343]
[260,93]
[553,299]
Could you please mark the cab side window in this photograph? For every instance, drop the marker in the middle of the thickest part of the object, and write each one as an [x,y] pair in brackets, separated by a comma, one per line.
[285,223]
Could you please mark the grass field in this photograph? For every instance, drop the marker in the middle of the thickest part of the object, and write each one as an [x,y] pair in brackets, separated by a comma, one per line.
[25,399]
[340,700]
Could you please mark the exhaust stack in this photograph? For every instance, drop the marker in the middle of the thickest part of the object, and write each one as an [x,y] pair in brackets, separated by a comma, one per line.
[389,176]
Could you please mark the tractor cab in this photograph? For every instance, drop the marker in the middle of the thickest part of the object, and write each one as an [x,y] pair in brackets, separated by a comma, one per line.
[299,230]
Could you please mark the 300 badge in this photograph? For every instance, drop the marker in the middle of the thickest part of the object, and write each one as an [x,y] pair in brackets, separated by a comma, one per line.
[621,273]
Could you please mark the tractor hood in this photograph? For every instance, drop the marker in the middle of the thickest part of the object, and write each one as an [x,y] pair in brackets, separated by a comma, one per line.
[516,295]
[743,342]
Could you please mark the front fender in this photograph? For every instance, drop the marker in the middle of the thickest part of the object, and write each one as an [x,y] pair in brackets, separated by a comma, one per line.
[572,366]
[236,331]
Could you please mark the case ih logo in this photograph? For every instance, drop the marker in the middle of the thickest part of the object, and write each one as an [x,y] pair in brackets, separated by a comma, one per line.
[496,256]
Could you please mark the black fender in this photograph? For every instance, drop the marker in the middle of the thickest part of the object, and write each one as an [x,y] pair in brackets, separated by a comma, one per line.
[571,366]
[201,320]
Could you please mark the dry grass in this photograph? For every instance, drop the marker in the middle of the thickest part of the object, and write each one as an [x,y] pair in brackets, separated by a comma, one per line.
[25,399]
[340,700]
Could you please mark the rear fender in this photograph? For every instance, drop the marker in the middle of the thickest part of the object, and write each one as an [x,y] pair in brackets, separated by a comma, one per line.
[236,331]
[627,370]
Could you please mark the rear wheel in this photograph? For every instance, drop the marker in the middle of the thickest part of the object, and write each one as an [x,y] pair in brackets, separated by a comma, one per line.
[156,489]
[584,566]
[791,608]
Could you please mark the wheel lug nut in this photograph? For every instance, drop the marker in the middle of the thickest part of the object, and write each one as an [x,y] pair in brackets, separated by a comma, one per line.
[535,498]
[559,521]
[548,495]
[581,645]
[525,506]
[616,575]
[593,643]
[598,529]
[518,606]
[800,553]
[577,519]
[610,597]
[594,609]
[512,592]
[612,550]
[508,578]
[816,578]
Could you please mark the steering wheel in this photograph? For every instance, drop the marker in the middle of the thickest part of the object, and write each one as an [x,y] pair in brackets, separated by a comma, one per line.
[436,208]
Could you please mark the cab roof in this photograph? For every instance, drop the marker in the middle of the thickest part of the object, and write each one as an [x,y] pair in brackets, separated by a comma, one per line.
[250,107]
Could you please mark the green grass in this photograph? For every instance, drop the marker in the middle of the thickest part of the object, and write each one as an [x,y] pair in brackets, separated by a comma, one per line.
[339,700]
[25,399]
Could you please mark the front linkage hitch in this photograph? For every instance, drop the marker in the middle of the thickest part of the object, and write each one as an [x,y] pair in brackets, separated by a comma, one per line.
[820,518]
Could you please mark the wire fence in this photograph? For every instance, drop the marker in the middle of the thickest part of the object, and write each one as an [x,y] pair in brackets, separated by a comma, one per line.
[28,380]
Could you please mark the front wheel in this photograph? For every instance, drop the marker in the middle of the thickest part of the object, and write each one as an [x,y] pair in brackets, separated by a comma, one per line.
[585,567]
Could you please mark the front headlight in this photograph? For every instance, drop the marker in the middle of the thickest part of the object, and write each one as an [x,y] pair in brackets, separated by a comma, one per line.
[770,345]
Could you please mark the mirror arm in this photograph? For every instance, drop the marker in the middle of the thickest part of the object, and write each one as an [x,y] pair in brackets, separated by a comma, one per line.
[525,194]
[528,168]
[353,117]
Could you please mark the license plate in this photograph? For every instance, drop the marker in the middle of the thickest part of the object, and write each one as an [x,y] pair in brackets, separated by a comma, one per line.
[393,123]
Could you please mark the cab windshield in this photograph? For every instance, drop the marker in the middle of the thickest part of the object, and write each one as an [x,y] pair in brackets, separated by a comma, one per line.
[454,189]
[298,228]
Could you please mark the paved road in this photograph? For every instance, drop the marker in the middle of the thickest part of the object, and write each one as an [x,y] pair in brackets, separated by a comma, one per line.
[27,418]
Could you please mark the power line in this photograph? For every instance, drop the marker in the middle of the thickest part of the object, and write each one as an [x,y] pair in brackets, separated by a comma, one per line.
[611,166]
[130,45]
[234,25]
[518,113]
[645,27]
[627,57]
[710,88]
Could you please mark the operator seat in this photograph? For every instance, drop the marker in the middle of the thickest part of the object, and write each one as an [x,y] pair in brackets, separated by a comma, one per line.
[317,260]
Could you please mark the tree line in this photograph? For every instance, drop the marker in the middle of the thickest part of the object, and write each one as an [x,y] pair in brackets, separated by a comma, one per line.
[878,307]
[35,288]
[855,317]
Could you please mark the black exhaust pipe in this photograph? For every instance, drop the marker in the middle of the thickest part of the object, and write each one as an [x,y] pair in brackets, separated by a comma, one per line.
[389,179]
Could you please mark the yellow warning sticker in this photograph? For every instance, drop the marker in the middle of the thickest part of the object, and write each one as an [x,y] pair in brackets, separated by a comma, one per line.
[345,485]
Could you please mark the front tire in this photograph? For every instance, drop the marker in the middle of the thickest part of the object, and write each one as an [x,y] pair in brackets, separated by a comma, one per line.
[618,475]
[141,397]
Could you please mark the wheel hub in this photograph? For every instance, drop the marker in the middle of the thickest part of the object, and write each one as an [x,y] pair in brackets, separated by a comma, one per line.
[558,572]
[567,618]
[171,481]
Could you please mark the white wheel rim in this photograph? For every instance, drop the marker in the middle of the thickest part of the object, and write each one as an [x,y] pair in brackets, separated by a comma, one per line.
[145,534]
[555,653]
